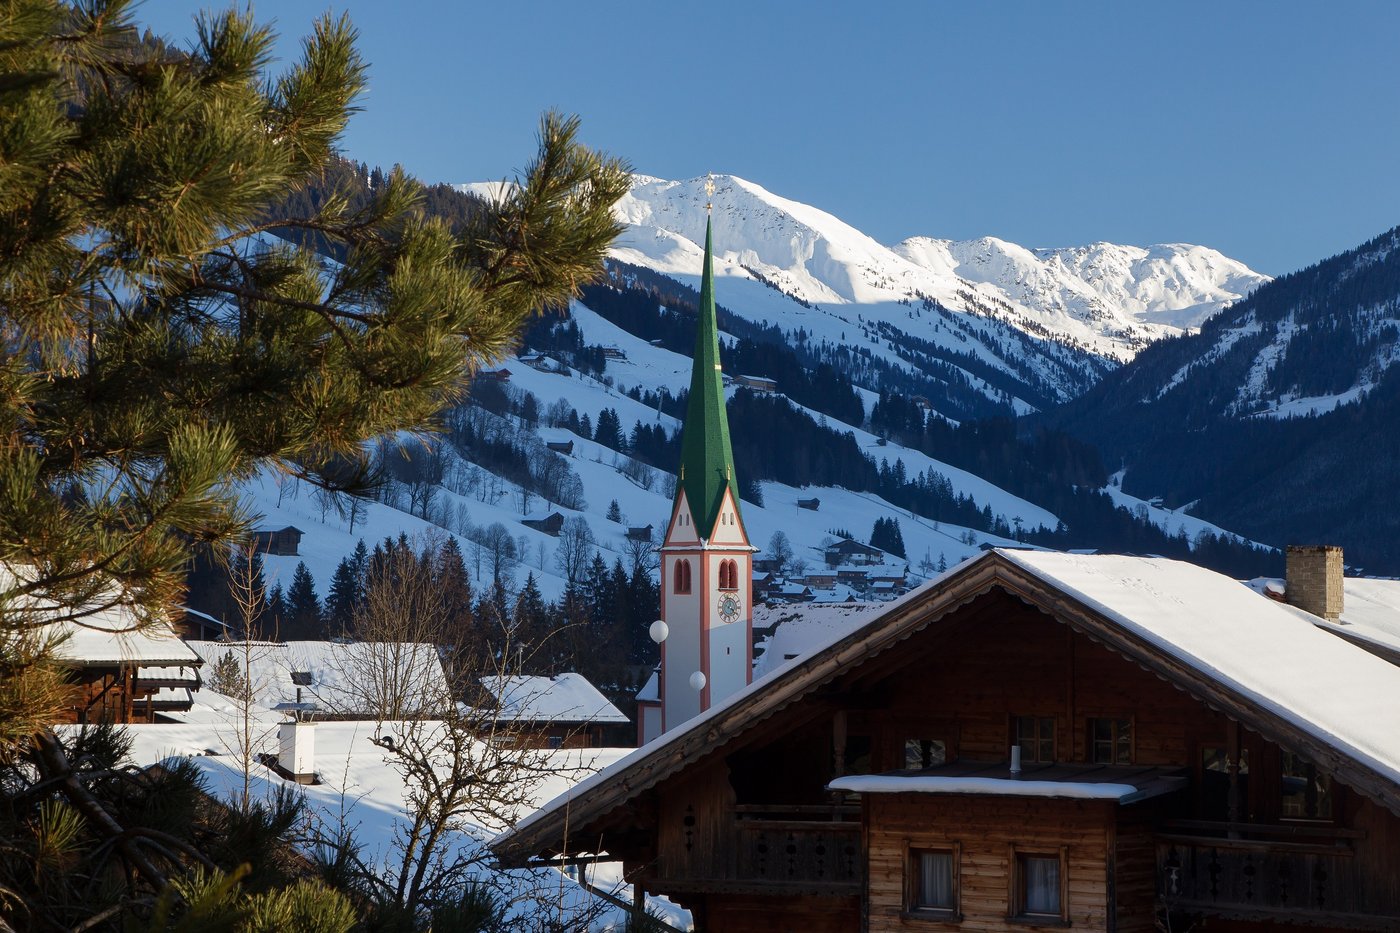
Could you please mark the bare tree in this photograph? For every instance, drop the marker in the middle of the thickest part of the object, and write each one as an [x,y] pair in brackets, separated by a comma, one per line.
[576,546]
[247,588]
[392,671]
[641,552]
[496,543]
[780,550]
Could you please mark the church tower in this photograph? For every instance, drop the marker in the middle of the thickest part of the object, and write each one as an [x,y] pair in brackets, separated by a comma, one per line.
[706,559]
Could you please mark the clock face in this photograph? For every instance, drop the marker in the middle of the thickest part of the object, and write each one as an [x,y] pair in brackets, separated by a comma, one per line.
[729,608]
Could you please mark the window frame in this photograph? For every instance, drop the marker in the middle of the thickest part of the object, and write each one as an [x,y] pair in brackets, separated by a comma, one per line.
[914,911]
[681,585]
[1014,728]
[1091,743]
[1318,772]
[1016,895]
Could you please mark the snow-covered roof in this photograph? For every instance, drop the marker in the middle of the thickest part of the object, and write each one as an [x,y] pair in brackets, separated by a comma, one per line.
[1274,666]
[562,698]
[347,678]
[1370,611]
[1080,782]
[797,630]
[107,643]
[651,690]
[1269,654]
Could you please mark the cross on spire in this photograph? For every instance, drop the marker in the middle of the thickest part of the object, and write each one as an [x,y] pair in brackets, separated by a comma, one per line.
[709,191]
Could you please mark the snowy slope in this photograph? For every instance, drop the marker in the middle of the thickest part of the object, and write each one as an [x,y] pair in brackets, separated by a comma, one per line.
[1052,321]
[600,470]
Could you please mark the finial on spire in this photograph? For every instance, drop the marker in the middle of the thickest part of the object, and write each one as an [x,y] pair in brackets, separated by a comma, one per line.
[709,191]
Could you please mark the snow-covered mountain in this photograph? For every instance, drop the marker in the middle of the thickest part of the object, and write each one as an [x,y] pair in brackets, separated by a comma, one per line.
[974,325]
[1110,298]
[1277,418]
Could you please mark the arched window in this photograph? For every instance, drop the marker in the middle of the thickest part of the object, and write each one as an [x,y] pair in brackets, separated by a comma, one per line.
[682,577]
[728,575]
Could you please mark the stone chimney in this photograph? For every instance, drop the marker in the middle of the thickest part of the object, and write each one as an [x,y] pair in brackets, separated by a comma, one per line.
[1313,579]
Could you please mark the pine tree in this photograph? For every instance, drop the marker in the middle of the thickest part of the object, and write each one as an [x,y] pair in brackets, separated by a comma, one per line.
[303,608]
[346,592]
[140,300]
[273,624]
[614,512]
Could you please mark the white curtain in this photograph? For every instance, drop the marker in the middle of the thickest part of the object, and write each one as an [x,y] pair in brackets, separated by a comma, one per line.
[935,880]
[1042,879]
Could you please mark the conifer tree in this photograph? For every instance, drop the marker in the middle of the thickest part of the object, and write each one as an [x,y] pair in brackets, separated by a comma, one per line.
[303,607]
[157,349]
[346,592]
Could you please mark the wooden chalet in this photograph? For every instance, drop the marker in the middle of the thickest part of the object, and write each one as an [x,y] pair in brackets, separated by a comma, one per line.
[126,676]
[1031,740]
[812,505]
[849,551]
[761,384]
[282,542]
[551,524]
[561,447]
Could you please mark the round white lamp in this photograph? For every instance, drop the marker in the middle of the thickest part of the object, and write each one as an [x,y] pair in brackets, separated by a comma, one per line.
[697,681]
[658,631]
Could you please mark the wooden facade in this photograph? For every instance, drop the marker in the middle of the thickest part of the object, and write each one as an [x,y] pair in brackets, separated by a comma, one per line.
[736,822]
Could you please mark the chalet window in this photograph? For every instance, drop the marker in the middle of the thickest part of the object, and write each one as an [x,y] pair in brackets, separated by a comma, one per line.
[1307,792]
[933,882]
[1215,783]
[1036,736]
[682,581]
[1110,741]
[1038,886]
[924,753]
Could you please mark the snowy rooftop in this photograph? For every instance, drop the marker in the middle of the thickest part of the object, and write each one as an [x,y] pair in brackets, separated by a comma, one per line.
[109,641]
[1081,782]
[1271,654]
[562,698]
[799,629]
[1268,654]
[346,677]
[1370,609]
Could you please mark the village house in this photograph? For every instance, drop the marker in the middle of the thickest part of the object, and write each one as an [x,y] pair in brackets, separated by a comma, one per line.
[761,384]
[1032,740]
[562,711]
[848,551]
[125,676]
[550,524]
[279,542]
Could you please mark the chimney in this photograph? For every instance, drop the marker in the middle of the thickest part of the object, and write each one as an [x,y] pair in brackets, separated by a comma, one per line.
[1313,579]
[297,751]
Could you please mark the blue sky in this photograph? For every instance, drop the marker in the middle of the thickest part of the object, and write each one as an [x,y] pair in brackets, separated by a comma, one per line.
[1270,131]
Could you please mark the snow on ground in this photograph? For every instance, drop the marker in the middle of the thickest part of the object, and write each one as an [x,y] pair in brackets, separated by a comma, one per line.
[363,794]
[1171,521]
[329,539]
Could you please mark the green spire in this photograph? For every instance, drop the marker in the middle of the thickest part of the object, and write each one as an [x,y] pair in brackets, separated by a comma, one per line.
[707,463]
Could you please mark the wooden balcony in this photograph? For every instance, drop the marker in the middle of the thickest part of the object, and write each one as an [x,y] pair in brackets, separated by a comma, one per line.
[1304,872]
[783,851]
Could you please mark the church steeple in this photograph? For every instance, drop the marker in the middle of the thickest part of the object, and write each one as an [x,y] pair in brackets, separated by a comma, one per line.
[706,625]
[707,461]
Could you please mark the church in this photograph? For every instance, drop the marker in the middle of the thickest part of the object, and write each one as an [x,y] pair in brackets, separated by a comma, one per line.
[1031,740]
[706,559]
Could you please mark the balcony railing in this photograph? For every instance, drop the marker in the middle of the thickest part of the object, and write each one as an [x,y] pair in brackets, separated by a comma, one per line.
[1292,869]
